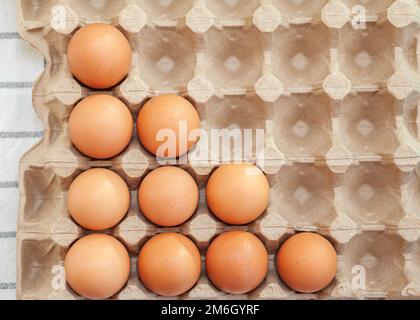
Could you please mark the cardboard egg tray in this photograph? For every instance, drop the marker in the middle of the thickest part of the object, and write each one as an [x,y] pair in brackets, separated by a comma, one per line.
[339,106]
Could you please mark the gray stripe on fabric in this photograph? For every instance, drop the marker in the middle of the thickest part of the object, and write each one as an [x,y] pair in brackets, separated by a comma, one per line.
[7,285]
[7,235]
[15,85]
[9,184]
[10,35]
[21,134]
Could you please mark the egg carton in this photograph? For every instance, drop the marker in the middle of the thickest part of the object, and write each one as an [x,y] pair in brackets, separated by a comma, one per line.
[339,110]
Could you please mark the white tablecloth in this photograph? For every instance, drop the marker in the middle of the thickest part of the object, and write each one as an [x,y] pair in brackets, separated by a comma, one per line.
[20,129]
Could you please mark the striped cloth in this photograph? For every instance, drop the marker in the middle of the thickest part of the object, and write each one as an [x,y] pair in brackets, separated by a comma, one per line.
[20,129]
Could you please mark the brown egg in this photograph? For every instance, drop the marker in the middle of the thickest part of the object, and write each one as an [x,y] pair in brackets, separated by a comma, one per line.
[100,126]
[169,264]
[98,199]
[236,262]
[237,193]
[97,266]
[307,262]
[99,55]
[163,113]
[168,196]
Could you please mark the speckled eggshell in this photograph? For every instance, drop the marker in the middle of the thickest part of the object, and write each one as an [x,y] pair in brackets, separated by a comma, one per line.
[168,112]
[97,266]
[168,196]
[169,264]
[236,262]
[237,193]
[100,126]
[307,262]
[99,55]
[98,199]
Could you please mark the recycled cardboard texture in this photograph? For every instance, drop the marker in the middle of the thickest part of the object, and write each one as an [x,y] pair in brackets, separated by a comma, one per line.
[343,148]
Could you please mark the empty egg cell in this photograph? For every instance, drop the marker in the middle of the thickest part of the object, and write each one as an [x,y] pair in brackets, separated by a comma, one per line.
[304,194]
[300,57]
[166,57]
[234,57]
[44,200]
[367,124]
[373,263]
[41,258]
[366,57]
[302,125]
[370,193]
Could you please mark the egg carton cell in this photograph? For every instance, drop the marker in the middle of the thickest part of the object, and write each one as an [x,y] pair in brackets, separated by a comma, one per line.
[164,58]
[381,259]
[304,195]
[45,196]
[300,57]
[302,125]
[34,10]
[232,59]
[366,58]
[368,124]
[372,194]
[41,258]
